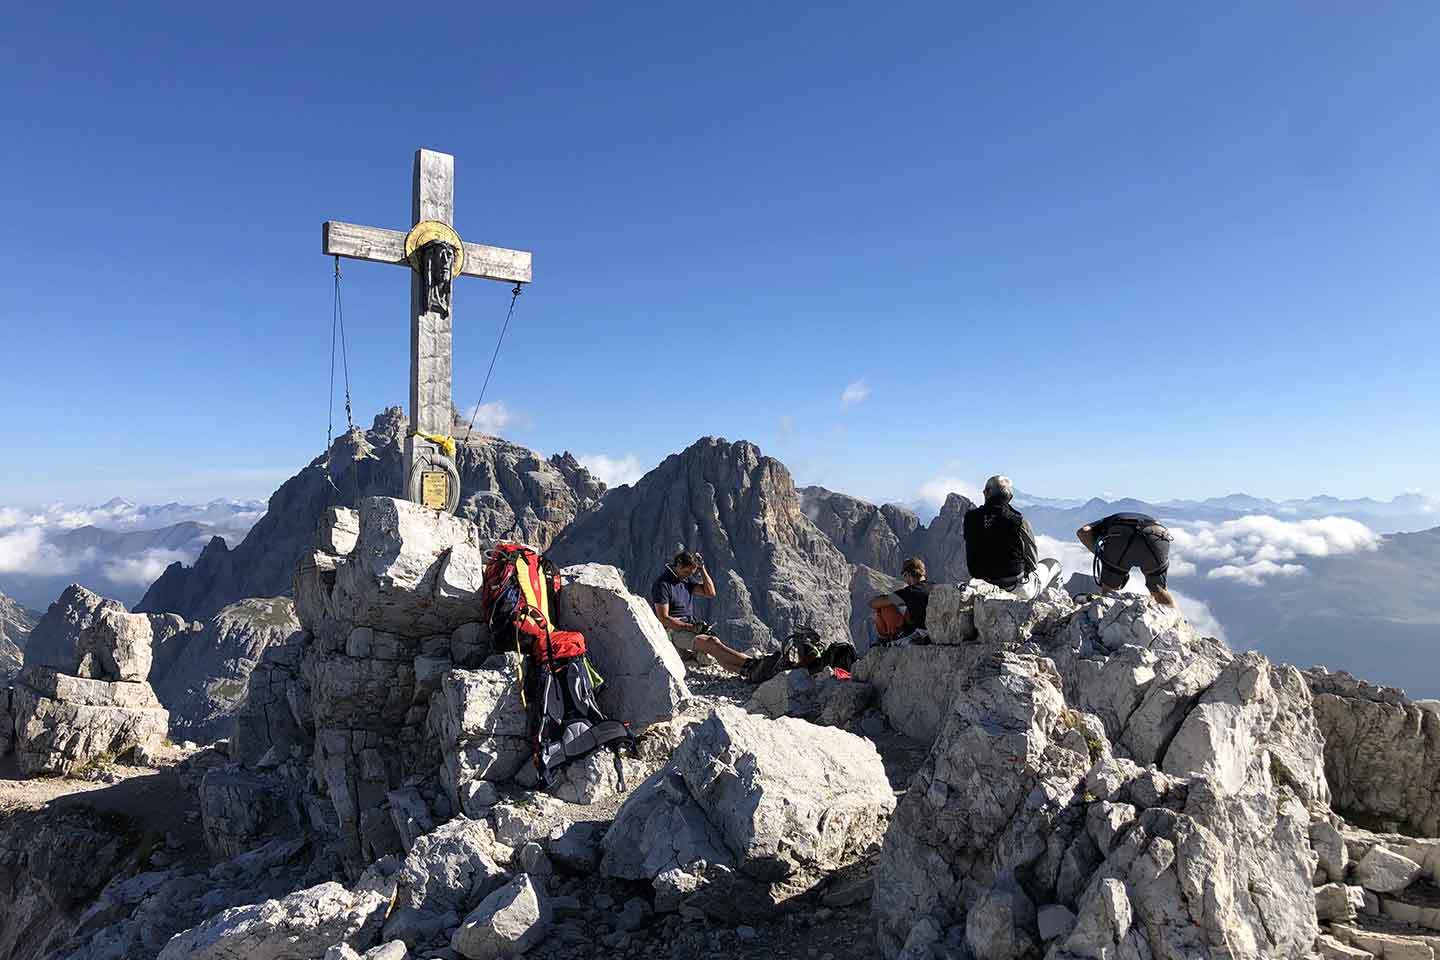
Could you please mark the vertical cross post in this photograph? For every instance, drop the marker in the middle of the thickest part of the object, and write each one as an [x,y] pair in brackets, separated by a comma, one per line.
[431,412]
[433,198]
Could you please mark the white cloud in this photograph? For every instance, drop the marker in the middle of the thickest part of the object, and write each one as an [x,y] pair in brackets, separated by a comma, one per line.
[855,393]
[1248,551]
[490,417]
[613,471]
[935,491]
[142,571]
[1254,574]
[28,544]
[1201,617]
[1252,549]
[25,551]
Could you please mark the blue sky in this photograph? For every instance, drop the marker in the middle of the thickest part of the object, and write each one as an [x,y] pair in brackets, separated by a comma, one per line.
[1156,252]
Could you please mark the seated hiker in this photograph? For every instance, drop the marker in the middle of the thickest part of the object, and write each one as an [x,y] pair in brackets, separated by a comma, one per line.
[1000,546]
[673,599]
[901,615]
[1123,541]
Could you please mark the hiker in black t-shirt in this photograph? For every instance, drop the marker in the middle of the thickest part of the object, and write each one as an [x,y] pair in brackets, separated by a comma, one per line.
[901,615]
[1123,541]
[672,597]
[1000,546]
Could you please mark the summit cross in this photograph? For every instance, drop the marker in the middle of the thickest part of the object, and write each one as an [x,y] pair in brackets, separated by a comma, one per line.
[435,253]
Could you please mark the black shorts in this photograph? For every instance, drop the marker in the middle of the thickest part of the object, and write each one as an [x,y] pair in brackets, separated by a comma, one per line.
[1126,549]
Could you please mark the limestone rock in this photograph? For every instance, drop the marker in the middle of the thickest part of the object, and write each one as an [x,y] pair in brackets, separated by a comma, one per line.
[1054,921]
[448,871]
[275,717]
[404,575]
[644,677]
[950,614]
[1003,619]
[1330,948]
[871,536]
[394,950]
[773,569]
[304,924]
[999,926]
[575,847]
[589,779]
[914,683]
[818,697]
[480,723]
[672,887]
[16,622]
[410,814]
[240,809]
[64,723]
[508,922]
[1335,902]
[533,818]
[1382,756]
[339,531]
[505,490]
[86,635]
[1152,864]
[1329,846]
[783,801]
[7,721]
[1384,871]
[660,827]
[202,678]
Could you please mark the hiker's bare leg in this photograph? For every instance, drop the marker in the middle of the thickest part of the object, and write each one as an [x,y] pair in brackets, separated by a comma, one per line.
[727,658]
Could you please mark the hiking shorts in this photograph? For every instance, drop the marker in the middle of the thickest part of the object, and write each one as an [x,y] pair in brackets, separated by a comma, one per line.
[683,639]
[1143,549]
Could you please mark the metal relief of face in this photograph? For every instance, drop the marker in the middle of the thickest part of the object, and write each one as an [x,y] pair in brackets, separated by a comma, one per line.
[444,255]
[439,261]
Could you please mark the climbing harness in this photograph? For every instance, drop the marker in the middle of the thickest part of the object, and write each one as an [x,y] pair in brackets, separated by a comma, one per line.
[1136,529]
[337,324]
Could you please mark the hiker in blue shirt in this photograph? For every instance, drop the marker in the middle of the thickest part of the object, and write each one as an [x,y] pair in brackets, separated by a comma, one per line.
[673,595]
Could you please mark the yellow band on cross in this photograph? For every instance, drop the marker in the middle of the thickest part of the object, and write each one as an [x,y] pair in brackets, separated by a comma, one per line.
[446,444]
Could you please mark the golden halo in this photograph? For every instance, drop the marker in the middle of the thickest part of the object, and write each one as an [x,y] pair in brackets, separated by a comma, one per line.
[427,230]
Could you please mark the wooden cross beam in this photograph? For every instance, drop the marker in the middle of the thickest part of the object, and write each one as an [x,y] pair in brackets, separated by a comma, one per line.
[433,198]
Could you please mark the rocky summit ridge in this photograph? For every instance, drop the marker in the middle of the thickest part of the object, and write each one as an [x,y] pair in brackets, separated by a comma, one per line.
[1046,779]
[774,569]
[506,489]
[16,622]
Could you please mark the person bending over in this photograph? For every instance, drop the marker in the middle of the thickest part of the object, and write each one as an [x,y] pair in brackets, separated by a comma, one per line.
[1123,541]
[673,598]
[1000,546]
[901,615]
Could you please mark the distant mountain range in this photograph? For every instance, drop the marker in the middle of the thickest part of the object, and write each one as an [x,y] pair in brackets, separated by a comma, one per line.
[1407,512]
[117,548]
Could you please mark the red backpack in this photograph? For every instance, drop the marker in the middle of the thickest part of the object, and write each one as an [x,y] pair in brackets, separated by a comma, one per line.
[517,599]
[519,589]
